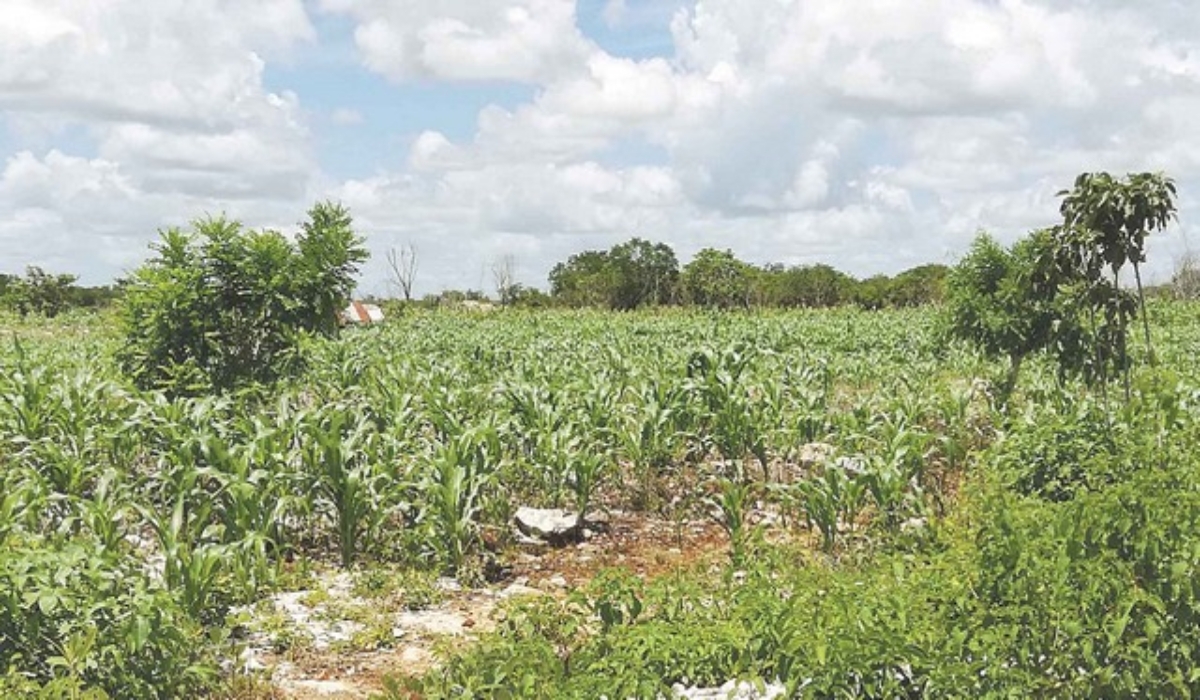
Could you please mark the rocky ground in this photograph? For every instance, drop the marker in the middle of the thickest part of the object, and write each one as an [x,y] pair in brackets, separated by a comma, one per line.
[339,634]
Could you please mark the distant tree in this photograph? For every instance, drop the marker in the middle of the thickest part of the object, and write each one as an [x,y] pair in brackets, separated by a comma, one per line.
[811,286]
[644,273]
[403,267]
[92,297]
[220,306]
[717,278]
[629,275]
[918,286]
[7,283]
[872,293]
[38,292]
[1185,282]
[585,279]
[528,297]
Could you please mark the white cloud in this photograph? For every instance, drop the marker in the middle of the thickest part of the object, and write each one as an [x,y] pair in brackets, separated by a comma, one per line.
[177,63]
[521,40]
[170,97]
[873,136]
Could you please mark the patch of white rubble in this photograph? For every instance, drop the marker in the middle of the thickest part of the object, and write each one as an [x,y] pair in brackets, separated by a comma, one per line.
[313,622]
[733,690]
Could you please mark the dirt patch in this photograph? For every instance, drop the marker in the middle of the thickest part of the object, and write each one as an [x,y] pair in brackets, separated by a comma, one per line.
[331,628]
[645,546]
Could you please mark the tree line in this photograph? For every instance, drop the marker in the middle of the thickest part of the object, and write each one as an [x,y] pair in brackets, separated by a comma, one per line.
[45,294]
[639,273]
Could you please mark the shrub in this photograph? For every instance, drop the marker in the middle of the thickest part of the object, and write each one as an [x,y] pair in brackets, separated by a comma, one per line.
[221,307]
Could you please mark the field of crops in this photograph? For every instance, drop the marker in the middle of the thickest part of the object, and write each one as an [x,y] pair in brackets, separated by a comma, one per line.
[864,517]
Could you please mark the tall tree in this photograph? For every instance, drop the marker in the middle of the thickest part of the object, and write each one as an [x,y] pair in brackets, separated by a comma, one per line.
[717,278]
[645,273]
[1106,221]
[585,279]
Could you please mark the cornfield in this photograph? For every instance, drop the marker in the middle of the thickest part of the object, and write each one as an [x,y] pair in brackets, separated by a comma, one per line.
[132,523]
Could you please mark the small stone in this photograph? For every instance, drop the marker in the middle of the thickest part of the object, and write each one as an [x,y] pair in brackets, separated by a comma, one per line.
[554,525]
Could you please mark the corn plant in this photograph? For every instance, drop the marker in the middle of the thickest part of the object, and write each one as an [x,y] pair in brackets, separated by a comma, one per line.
[334,449]
[736,417]
[732,503]
[827,501]
[588,467]
[191,560]
[460,470]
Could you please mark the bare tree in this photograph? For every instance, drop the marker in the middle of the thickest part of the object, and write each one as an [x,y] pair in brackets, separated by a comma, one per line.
[502,275]
[403,264]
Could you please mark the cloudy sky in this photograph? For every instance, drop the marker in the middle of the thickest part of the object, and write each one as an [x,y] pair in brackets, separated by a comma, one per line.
[873,135]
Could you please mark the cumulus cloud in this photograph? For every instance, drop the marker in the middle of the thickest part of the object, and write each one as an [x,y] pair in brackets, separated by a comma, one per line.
[520,40]
[170,98]
[873,136]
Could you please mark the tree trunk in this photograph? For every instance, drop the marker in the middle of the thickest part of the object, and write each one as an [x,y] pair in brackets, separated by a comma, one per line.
[1137,275]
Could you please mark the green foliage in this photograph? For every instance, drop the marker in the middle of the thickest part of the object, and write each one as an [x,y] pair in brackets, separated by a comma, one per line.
[39,293]
[1105,224]
[920,285]
[328,253]
[585,279]
[347,488]
[811,286]
[631,274]
[1055,554]
[718,279]
[460,470]
[1018,597]
[1001,300]
[220,307]
[75,617]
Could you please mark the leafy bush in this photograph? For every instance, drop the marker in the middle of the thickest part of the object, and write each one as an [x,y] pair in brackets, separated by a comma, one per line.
[995,299]
[72,617]
[1053,454]
[220,306]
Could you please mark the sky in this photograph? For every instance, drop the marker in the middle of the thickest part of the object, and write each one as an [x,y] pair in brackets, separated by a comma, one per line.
[873,135]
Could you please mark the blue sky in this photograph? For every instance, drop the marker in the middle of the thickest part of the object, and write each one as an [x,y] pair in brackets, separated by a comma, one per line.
[873,136]
[392,114]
